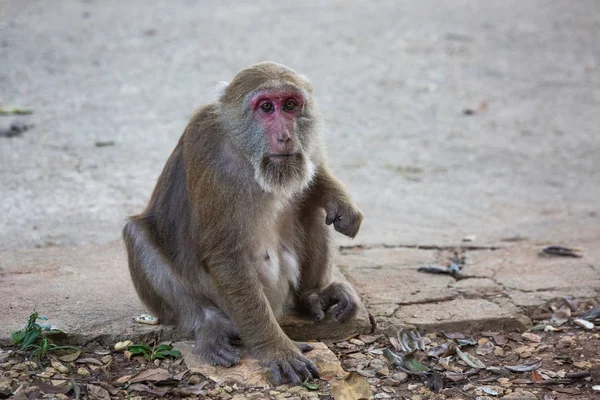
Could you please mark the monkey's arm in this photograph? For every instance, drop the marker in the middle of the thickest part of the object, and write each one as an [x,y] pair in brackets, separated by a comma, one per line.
[247,306]
[341,210]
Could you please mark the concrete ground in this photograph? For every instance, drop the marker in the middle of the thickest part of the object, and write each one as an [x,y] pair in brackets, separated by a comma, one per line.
[393,80]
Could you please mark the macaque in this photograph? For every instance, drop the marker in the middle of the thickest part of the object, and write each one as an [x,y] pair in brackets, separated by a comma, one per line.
[236,230]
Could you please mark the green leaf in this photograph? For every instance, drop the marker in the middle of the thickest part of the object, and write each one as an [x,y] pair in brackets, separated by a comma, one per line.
[140,349]
[42,317]
[311,386]
[411,363]
[30,337]
[8,110]
[163,347]
[17,337]
[175,353]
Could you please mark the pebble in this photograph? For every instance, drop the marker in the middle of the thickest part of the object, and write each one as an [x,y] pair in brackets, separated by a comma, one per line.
[596,388]
[376,364]
[24,365]
[83,372]
[228,389]
[225,396]
[414,386]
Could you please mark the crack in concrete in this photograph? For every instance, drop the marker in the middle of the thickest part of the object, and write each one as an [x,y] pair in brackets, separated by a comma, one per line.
[418,247]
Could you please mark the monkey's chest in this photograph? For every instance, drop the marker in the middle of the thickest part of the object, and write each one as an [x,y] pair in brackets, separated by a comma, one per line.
[279,272]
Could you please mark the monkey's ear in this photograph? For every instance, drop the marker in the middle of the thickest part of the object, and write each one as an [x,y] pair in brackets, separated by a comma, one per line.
[220,88]
[307,82]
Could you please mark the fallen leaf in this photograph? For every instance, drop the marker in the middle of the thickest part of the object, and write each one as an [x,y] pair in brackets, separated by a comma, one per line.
[437,350]
[584,323]
[435,382]
[454,335]
[536,377]
[8,110]
[572,302]
[561,251]
[353,387]
[500,340]
[70,357]
[485,348]
[311,386]
[124,379]
[139,387]
[560,316]
[471,361]
[532,337]
[89,360]
[530,366]
[413,364]
[152,375]
[592,314]
[567,390]
[582,364]
[180,375]
[466,342]
[97,392]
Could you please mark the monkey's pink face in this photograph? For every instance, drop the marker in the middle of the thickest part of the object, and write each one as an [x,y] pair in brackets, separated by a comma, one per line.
[276,111]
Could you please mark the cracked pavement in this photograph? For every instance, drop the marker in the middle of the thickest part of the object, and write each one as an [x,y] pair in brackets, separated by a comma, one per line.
[392,81]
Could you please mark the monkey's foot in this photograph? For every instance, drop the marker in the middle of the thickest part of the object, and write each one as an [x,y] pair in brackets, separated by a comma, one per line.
[294,369]
[217,351]
[338,299]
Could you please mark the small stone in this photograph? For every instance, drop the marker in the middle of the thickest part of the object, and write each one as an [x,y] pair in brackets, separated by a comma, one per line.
[550,328]
[400,377]
[360,342]
[414,386]
[83,372]
[274,392]
[106,359]
[499,351]
[583,323]
[224,396]
[385,371]
[596,388]
[228,389]
[345,345]
[357,356]
[565,341]
[255,395]
[297,390]
[61,396]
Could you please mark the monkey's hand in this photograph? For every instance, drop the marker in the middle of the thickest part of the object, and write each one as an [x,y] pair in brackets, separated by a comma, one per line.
[289,365]
[338,298]
[344,216]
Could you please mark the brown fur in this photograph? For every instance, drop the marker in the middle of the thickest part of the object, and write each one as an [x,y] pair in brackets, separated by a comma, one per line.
[217,253]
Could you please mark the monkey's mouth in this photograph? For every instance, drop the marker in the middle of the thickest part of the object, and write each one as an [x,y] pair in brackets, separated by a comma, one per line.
[281,157]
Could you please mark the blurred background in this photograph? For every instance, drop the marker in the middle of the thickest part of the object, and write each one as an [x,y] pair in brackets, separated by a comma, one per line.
[446,120]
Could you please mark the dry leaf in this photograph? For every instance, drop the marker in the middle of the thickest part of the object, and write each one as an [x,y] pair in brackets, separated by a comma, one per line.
[582,364]
[70,357]
[138,387]
[471,361]
[536,377]
[152,375]
[485,348]
[353,387]
[530,366]
[560,316]
[90,360]
[532,337]
[97,392]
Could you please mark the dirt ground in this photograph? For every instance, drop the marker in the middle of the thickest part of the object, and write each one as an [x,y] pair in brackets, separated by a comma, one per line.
[568,361]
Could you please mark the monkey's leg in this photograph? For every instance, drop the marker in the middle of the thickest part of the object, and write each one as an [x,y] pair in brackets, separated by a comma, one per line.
[173,303]
[318,295]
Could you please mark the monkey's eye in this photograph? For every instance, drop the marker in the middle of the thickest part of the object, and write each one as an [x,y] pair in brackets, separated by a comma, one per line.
[289,105]
[267,107]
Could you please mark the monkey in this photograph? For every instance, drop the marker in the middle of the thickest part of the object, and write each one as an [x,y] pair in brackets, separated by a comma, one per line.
[236,230]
